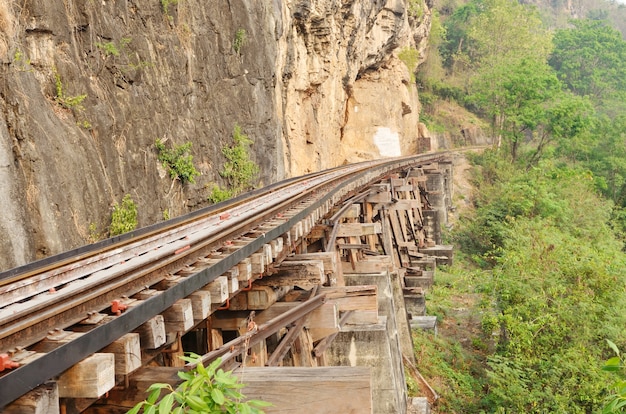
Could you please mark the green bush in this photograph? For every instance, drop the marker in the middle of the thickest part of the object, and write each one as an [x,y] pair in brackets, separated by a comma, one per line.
[219,194]
[68,102]
[240,40]
[239,170]
[124,217]
[166,5]
[203,390]
[177,161]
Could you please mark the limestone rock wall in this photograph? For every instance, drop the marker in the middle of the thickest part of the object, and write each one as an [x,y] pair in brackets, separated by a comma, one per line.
[312,85]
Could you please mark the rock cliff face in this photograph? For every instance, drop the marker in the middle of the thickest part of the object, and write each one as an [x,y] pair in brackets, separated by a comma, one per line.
[313,83]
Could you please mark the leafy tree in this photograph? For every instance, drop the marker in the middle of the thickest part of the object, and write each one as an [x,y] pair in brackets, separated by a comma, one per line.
[590,58]
[515,97]
[544,234]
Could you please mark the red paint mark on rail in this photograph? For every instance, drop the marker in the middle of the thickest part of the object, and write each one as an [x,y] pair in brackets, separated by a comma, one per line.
[182,249]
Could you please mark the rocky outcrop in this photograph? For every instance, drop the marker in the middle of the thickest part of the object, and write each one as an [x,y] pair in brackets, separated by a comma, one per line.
[311,82]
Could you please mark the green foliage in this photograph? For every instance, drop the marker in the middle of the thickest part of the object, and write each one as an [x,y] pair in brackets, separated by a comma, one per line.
[94,234]
[590,58]
[178,161]
[124,217]
[451,370]
[240,171]
[111,49]
[616,401]
[544,235]
[410,57]
[219,194]
[68,102]
[203,390]
[416,8]
[165,4]
[166,214]
[240,40]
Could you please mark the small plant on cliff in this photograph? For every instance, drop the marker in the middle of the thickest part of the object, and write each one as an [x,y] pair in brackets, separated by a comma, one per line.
[240,171]
[124,217]
[68,102]
[166,6]
[112,49]
[219,194]
[203,390]
[178,161]
[416,8]
[410,57]
[240,40]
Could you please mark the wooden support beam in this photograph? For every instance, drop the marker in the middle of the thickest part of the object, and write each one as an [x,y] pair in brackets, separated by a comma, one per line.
[90,378]
[218,289]
[179,316]
[258,264]
[304,274]
[152,333]
[329,259]
[349,298]
[42,400]
[262,297]
[127,353]
[323,321]
[285,344]
[319,390]
[358,229]
[200,304]
[245,270]
[371,264]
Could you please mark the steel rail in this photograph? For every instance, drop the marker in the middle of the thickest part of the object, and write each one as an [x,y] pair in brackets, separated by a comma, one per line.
[31,321]
[24,378]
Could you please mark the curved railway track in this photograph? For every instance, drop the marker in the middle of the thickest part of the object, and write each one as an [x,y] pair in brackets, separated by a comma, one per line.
[63,290]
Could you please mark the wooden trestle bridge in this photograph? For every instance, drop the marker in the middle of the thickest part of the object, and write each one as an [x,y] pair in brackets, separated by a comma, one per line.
[310,284]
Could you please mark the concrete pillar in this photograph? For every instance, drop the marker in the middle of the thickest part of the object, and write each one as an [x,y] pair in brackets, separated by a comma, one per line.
[379,346]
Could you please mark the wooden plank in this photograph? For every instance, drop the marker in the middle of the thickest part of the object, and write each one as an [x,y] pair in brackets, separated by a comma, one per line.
[245,270]
[200,304]
[218,289]
[42,400]
[152,333]
[179,316]
[90,378]
[258,264]
[304,274]
[319,390]
[329,259]
[371,264]
[383,197]
[347,298]
[358,229]
[262,297]
[127,353]
[233,281]
[368,216]
[323,321]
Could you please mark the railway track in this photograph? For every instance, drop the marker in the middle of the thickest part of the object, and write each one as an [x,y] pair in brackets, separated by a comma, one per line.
[96,280]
